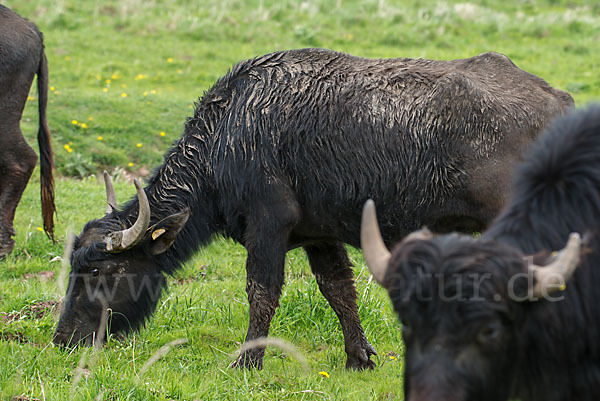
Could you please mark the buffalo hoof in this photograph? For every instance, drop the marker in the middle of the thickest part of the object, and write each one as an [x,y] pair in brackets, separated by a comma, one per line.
[250,359]
[359,357]
[6,244]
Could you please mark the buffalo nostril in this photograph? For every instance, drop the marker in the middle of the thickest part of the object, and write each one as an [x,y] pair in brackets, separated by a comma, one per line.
[59,341]
[65,340]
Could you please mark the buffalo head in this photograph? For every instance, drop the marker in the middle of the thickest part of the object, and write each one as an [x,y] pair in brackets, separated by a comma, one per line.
[116,270]
[462,303]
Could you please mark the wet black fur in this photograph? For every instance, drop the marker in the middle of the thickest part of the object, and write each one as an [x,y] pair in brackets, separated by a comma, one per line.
[283,151]
[549,350]
[558,192]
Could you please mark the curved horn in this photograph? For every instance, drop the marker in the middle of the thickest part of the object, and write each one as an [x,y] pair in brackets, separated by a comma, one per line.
[111,197]
[122,240]
[549,278]
[374,250]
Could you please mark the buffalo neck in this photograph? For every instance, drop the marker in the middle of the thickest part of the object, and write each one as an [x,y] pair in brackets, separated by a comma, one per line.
[180,184]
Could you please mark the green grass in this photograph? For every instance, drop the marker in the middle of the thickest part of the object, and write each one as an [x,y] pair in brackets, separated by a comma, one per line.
[166,54]
[206,304]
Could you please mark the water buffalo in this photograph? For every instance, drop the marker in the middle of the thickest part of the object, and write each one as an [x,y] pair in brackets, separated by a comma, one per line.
[21,58]
[499,317]
[283,151]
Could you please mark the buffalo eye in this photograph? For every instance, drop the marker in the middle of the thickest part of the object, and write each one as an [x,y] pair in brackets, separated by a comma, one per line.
[490,332]
[95,272]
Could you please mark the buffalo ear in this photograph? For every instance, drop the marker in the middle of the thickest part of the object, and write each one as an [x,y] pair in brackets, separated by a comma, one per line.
[163,233]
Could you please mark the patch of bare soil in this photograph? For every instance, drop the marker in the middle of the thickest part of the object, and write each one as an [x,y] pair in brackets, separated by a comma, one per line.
[18,337]
[35,311]
[15,337]
[43,276]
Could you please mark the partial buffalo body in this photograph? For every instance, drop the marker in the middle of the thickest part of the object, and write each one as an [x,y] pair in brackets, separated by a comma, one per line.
[21,58]
[501,317]
[283,151]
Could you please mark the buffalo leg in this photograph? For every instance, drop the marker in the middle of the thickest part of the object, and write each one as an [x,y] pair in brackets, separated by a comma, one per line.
[263,286]
[267,245]
[331,266]
[16,167]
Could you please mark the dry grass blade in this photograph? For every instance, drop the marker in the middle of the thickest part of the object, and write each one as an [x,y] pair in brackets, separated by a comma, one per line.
[283,345]
[159,354]
[101,332]
[78,372]
[65,262]
[41,386]
[98,340]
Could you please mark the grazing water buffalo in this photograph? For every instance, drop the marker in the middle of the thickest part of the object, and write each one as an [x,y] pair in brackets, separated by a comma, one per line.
[21,58]
[283,151]
[481,320]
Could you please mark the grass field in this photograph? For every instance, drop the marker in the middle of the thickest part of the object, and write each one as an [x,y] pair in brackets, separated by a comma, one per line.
[124,76]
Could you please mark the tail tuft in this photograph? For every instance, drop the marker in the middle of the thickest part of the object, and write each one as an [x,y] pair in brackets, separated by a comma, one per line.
[46,155]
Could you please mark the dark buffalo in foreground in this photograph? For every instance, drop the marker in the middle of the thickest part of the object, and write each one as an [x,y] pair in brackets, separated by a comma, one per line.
[481,319]
[21,58]
[283,151]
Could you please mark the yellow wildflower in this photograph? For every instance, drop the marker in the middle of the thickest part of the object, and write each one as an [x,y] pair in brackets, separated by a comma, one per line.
[74,122]
[30,98]
[139,76]
[52,88]
[98,77]
[170,60]
[108,81]
[39,229]
[114,76]
[130,164]
[90,118]
[153,91]
[123,94]
[162,133]
[100,138]
[104,90]
[139,145]
[83,125]
[324,374]
[67,58]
